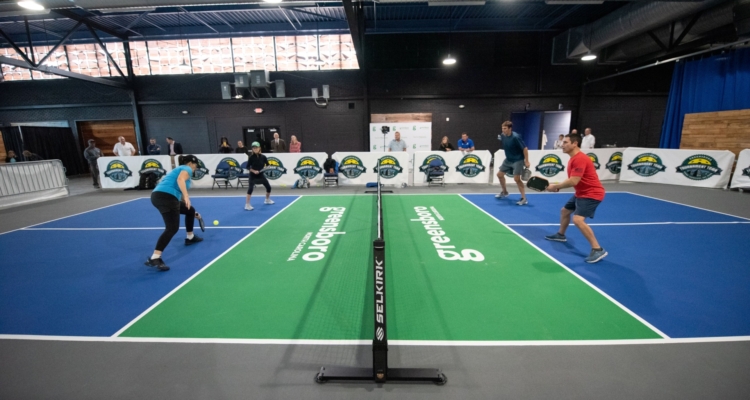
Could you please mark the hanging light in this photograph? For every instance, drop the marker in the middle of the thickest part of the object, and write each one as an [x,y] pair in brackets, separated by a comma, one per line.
[449,60]
[589,57]
[31,5]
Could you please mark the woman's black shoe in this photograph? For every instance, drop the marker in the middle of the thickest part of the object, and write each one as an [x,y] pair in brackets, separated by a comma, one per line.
[157,263]
[194,240]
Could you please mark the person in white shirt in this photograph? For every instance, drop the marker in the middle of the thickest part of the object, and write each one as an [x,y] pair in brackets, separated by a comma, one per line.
[558,142]
[124,149]
[588,141]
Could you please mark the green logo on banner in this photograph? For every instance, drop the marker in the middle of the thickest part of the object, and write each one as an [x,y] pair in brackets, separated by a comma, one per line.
[425,167]
[470,166]
[200,172]
[594,159]
[117,171]
[351,167]
[274,169]
[647,164]
[746,171]
[699,167]
[615,163]
[550,165]
[307,167]
[388,167]
[234,167]
[154,166]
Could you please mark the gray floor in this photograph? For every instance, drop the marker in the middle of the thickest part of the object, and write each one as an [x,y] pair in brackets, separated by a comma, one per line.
[33,369]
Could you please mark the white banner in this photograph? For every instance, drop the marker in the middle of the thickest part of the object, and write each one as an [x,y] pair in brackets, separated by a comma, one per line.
[698,168]
[549,164]
[607,162]
[125,172]
[741,177]
[459,167]
[284,168]
[360,168]
[417,135]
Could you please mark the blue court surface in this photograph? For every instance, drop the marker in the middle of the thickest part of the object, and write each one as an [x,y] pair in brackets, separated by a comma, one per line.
[684,270]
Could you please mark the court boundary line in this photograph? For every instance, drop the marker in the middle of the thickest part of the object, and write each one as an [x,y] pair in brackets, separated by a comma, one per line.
[688,205]
[185,282]
[355,342]
[73,215]
[645,223]
[601,292]
[161,228]
[389,194]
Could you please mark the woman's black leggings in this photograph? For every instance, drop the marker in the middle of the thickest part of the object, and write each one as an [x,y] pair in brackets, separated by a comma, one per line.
[259,179]
[170,209]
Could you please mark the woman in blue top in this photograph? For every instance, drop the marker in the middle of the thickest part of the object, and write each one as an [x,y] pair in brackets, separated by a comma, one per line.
[170,197]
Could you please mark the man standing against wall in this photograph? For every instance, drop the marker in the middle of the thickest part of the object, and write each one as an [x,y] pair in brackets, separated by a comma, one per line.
[153,148]
[397,144]
[174,147]
[278,145]
[516,158]
[91,154]
[588,141]
[124,149]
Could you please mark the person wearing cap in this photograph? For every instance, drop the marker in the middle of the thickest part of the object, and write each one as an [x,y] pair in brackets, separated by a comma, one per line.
[255,163]
[171,198]
[92,153]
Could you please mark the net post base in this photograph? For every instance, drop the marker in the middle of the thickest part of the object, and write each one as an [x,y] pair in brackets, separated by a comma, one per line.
[368,374]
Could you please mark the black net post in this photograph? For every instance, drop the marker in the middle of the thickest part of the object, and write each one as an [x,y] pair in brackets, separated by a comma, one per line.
[380,338]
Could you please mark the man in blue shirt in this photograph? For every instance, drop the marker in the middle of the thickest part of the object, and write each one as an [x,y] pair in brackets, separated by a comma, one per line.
[465,145]
[153,148]
[516,158]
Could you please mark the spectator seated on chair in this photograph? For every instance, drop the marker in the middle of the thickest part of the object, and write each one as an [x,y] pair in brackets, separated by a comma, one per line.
[221,176]
[331,172]
[436,173]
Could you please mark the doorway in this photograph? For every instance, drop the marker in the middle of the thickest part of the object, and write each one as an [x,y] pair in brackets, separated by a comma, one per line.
[252,134]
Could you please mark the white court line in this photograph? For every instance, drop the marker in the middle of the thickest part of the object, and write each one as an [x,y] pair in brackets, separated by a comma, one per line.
[73,215]
[437,343]
[688,205]
[131,229]
[124,328]
[644,223]
[610,298]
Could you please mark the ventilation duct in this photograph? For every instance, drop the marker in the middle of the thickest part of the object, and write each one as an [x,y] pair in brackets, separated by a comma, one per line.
[626,22]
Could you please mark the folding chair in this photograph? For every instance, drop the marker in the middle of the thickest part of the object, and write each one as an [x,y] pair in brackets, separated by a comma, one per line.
[244,177]
[436,173]
[221,176]
[331,179]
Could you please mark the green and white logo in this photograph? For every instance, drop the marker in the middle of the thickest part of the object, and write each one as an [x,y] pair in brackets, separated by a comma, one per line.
[200,172]
[154,166]
[307,167]
[470,166]
[746,171]
[117,171]
[550,165]
[647,164]
[234,167]
[274,169]
[594,159]
[615,162]
[699,167]
[351,167]
[388,167]
[425,167]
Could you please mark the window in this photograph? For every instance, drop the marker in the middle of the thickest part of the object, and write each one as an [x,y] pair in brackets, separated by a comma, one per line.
[10,72]
[139,55]
[169,57]
[253,53]
[88,59]
[58,60]
[117,52]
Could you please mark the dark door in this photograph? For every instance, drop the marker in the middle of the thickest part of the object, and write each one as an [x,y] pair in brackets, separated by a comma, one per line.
[262,134]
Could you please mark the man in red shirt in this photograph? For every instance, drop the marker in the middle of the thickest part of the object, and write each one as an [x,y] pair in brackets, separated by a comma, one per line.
[589,194]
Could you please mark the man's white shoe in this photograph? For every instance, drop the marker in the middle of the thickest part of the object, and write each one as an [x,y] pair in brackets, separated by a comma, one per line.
[248,207]
[268,201]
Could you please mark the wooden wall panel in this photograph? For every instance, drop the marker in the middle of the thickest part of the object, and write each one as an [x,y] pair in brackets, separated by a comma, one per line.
[721,130]
[3,154]
[410,117]
[106,133]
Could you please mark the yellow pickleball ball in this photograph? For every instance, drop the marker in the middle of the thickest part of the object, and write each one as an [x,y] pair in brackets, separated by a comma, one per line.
[216,222]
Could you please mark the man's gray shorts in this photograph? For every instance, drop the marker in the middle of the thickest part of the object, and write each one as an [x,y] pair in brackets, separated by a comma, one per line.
[512,168]
[582,206]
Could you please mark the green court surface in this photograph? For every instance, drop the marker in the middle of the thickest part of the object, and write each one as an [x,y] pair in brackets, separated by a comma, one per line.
[270,286]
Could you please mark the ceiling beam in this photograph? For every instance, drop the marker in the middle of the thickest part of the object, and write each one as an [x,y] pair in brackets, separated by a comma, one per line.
[60,72]
[357,30]
[75,17]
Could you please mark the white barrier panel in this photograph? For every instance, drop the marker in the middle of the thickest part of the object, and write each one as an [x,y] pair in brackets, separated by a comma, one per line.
[549,164]
[607,161]
[741,177]
[284,168]
[359,168]
[31,182]
[459,167]
[698,168]
[125,172]
[417,135]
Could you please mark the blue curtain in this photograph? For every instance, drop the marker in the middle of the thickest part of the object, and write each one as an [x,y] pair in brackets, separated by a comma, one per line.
[717,83]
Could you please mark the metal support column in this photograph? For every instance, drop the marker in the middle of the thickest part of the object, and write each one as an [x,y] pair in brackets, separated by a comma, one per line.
[140,133]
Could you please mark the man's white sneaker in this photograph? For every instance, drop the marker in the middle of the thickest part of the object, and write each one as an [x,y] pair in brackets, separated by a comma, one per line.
[248,207]
[268,201]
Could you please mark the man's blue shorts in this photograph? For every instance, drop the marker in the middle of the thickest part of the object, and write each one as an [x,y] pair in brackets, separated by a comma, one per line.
[582,206]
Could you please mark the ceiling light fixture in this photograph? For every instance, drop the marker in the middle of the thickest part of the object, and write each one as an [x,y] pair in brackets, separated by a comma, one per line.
[31,5]
[449,60]
[588,57]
